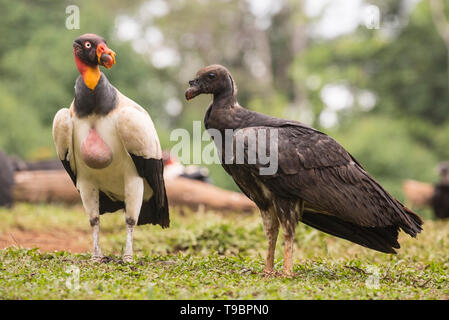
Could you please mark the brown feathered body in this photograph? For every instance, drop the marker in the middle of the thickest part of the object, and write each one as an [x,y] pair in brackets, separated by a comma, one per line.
[317,181]
[339,196]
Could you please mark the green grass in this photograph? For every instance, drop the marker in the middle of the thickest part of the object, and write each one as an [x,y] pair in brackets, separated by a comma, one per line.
[207,255]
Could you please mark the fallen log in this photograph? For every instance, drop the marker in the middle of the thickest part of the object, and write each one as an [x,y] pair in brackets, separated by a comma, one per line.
[55,186]
[44,186]
[22,165]
[183,191]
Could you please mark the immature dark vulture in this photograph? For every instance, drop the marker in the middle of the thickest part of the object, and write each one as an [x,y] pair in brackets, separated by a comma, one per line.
[110,148]
[6,181]
[440,198]
[317,181]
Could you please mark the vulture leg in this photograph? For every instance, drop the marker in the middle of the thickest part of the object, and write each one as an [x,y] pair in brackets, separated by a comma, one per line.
[288,252]
[288,221]
[90,198]
[133,199]
[271,226]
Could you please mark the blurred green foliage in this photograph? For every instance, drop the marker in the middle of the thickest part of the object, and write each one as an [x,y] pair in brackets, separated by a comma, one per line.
[38,72]
[405,67]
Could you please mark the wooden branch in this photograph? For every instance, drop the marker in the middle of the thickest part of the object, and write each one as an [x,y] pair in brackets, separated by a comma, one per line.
[56,186]
[44,186]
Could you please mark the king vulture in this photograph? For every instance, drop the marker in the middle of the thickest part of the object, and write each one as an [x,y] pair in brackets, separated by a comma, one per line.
[317,181]
[108,145]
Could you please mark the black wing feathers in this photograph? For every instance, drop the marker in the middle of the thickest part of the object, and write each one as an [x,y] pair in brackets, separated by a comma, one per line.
[382,239]
[315,168]
[154,211]
[66,165]
[109,205]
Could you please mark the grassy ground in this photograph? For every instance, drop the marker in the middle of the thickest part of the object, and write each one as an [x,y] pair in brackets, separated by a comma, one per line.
[207,255]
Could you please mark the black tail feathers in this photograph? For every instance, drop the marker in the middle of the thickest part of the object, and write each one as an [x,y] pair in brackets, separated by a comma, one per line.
[383,239]
[152,213]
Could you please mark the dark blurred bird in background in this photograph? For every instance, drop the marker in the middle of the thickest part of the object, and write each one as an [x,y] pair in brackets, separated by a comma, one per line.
[317,182]
[174,168]
[420,194]
[6,181]
[440,198]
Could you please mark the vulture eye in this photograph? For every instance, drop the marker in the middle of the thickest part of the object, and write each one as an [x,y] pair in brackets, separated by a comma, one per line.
[87,45]
[211,75]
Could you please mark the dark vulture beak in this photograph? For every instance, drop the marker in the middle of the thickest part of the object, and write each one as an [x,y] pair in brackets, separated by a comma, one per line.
[106,57]
[194,90]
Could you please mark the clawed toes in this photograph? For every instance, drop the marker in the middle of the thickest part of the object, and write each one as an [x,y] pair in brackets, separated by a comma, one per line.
[274,273]
[128,258]
[288,273]
[269,273]
[101,259]
[97,259]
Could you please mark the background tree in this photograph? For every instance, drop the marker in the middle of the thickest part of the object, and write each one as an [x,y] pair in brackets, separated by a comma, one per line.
[383,93]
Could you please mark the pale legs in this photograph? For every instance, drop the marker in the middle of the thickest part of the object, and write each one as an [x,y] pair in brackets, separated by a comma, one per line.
[288,252]
[89,196]
[271,226]
[288,224]
[133,199]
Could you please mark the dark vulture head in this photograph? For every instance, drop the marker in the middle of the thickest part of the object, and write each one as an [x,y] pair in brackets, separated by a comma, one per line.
[92,50]
[214,79]
[443,168]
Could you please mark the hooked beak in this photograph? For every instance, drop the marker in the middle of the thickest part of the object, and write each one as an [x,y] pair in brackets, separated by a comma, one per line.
[193,90]
[105,56]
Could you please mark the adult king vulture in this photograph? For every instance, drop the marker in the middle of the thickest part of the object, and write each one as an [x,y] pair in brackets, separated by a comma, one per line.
[317,181]
[110,148]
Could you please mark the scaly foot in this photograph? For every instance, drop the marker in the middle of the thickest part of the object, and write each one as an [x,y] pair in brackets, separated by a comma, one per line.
[269,273]
[128,258]
[97,258]
[288,272]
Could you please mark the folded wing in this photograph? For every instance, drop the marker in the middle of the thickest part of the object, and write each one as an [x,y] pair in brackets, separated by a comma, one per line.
[140,139]
[315,168]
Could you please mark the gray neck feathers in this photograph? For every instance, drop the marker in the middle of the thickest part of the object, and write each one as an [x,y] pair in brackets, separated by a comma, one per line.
[101,100]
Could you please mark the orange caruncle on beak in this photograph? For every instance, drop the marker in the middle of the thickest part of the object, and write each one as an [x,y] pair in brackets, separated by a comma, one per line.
[106,57]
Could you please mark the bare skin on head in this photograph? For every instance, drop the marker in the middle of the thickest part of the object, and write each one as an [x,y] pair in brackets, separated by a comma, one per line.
[108,145]
[217,80]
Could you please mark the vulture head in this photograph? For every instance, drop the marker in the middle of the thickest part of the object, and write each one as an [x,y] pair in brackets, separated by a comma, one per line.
[214,79]
[92,50]
[443,168]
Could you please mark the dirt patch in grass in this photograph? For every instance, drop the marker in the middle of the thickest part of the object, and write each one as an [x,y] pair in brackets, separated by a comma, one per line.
[57,240]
